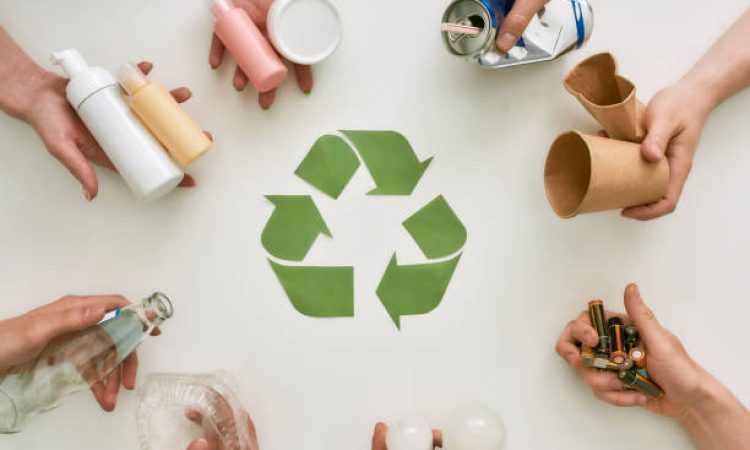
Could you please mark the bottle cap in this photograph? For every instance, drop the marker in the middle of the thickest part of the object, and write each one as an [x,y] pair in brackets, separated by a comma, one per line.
[84,79]
[131,78]
[304,31]
[221,6]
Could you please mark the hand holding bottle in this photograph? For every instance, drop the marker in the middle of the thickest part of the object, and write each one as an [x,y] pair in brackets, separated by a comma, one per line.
[37,97]
[257,10]
[705,408]
[23,338]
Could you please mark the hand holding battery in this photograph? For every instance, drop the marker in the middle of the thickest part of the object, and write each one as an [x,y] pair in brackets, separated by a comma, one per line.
[257,10]
[24,338]
[668,363]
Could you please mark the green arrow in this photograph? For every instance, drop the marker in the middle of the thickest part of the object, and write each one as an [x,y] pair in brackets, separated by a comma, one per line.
[293,226]
[417,289]
[318,291]
[390,160]
[436,229]
[329,165]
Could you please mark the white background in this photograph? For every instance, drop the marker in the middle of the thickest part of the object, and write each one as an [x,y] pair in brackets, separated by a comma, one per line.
[322,384]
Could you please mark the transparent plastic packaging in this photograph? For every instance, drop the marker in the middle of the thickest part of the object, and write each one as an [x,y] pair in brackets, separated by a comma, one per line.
[168,405]
[75,361]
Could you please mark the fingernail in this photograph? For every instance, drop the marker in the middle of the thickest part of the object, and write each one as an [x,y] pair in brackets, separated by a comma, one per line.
[87,195]
[637,290]
[506,41]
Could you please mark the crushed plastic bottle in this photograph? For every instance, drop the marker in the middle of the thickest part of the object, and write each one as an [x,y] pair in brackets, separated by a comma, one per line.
[175,409]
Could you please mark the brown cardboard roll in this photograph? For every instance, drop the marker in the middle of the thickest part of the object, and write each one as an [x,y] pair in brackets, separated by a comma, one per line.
[585,173]
[607,96]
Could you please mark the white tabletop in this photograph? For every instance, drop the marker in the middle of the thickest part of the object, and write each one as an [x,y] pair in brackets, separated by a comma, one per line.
[322,384]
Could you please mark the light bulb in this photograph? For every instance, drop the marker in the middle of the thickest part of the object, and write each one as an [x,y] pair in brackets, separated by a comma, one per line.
[476,427]
[409,434]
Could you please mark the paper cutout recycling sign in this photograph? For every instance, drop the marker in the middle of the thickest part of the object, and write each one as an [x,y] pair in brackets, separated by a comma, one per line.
[296,223]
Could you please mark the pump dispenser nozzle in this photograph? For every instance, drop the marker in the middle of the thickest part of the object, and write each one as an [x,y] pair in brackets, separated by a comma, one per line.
[70,60]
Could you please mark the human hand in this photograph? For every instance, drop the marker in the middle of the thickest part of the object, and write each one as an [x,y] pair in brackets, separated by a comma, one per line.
[66,137]
[668,364]
[381,430]
[674,122]
[258,11]
[211,440]
[516,21]
[24,338]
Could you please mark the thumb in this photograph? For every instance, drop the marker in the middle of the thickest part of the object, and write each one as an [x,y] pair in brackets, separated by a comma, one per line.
[648,327]
[657,139]
[515,22]
[198,444]
[378,436]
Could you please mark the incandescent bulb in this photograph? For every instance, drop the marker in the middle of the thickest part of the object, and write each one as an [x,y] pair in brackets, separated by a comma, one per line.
[475,427]
[409,434]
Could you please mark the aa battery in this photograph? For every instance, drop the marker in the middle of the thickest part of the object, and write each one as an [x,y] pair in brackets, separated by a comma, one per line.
[598,321]
[631,337]
[638,382]
[638,355]
[616,341]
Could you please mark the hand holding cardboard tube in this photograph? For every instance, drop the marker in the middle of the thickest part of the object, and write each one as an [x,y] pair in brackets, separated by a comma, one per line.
[705,408]
[586,173]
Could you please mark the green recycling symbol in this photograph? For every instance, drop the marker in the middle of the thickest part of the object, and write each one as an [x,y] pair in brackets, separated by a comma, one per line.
[296,222]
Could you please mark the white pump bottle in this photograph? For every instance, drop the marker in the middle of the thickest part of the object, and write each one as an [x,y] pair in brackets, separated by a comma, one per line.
[137,156]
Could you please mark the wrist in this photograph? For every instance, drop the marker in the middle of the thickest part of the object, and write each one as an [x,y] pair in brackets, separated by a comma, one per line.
[19,85]
[712,401]
[703,85]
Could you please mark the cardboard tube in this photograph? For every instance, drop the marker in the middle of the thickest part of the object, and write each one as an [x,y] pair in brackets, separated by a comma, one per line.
[607,96]
[585,173]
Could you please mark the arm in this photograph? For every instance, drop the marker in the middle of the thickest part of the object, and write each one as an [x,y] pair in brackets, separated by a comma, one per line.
[707,410]
[675,116]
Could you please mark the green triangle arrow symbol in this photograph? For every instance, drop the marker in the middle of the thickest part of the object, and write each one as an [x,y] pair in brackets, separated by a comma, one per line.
[329,165]
[414,289]
[390,160]
[293,227]
[436,229]
[318,291]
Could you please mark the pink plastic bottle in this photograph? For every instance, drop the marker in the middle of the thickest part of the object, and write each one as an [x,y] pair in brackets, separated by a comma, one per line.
[250,49]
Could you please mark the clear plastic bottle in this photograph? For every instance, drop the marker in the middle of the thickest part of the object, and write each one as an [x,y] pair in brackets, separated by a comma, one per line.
[75,361]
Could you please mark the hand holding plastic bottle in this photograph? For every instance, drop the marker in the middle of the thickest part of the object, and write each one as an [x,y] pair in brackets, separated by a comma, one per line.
[704,407]
[211,441]
[258,11]
[37,97]
[24,338]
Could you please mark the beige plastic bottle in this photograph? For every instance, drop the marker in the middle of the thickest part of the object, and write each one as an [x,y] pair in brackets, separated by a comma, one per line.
[163,116]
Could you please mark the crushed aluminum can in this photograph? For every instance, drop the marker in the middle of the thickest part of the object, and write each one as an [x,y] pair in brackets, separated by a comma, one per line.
[470,27]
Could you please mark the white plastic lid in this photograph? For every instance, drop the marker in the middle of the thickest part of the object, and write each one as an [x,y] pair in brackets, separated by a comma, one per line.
[305,31]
